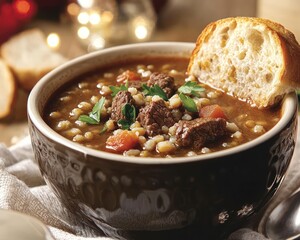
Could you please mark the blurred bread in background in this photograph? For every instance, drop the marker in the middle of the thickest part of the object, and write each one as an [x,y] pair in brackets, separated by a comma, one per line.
[25,59]
[7,90]
[29,57]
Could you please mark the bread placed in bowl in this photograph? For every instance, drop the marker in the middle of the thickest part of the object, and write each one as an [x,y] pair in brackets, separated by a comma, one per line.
[253,59]
[29,57]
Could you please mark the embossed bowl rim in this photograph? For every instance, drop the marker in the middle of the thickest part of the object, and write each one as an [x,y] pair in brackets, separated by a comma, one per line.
[41,91]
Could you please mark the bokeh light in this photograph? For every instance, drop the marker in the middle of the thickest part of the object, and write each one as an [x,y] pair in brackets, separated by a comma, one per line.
[86,3]
[53,40]
[83,18]
[83,32]
[73,9]
[23,6]
[141,32]
[95,18]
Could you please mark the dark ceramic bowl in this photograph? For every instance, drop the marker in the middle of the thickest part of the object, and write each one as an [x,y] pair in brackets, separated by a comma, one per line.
[179,198]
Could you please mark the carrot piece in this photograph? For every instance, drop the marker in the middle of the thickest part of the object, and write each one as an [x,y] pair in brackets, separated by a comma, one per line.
[128,76]
[213,111]
[122,141]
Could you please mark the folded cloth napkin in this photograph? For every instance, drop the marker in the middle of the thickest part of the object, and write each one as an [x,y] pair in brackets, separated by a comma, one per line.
[23,189]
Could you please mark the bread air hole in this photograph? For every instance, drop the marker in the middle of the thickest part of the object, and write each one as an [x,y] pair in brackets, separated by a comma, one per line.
[233,25]
[224,30]
[232,74]
[204,65]
[224,38]
[242,55]
[268,77]
[246,70]
[255,39]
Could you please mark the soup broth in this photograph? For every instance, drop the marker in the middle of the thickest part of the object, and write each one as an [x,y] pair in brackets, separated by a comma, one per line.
[150,107]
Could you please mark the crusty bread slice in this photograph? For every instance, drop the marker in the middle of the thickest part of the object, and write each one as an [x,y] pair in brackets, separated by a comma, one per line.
[253,59]
[29,57]
[7,90]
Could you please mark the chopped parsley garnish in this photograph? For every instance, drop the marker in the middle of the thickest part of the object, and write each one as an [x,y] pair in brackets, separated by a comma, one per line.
[129,113]
[155,90]
[188,103]
[191,88]
[94,116]
[116,89]
[87,119]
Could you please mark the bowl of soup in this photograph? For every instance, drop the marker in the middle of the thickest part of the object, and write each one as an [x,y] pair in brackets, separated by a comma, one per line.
[139,149]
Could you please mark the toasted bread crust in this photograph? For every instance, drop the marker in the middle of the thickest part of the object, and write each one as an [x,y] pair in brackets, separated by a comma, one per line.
[290,50]
[288,77]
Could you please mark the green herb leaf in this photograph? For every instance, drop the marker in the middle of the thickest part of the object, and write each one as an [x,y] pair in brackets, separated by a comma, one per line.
[191,88]
[116,89]
[125,124]
[96,111]
[188,103]
[129,112]
[155,90]
[87,119]
[95,114]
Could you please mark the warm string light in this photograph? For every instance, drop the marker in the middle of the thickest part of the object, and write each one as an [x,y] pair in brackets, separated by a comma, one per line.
[53,40]
[83,18]
[83,32]
[138,20]
[86,3]
[142,27]
[96,22]
[73,9]
[96,42]
[14,14]
[92,21]
[24,9]
[94,18]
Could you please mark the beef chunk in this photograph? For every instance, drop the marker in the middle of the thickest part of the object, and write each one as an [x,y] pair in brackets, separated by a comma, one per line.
[118,102]
[155,115]
[200,131]
[164,81]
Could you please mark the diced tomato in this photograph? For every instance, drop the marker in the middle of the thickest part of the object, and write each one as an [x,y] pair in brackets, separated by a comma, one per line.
[122,141]
[128,76]
[213,111]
